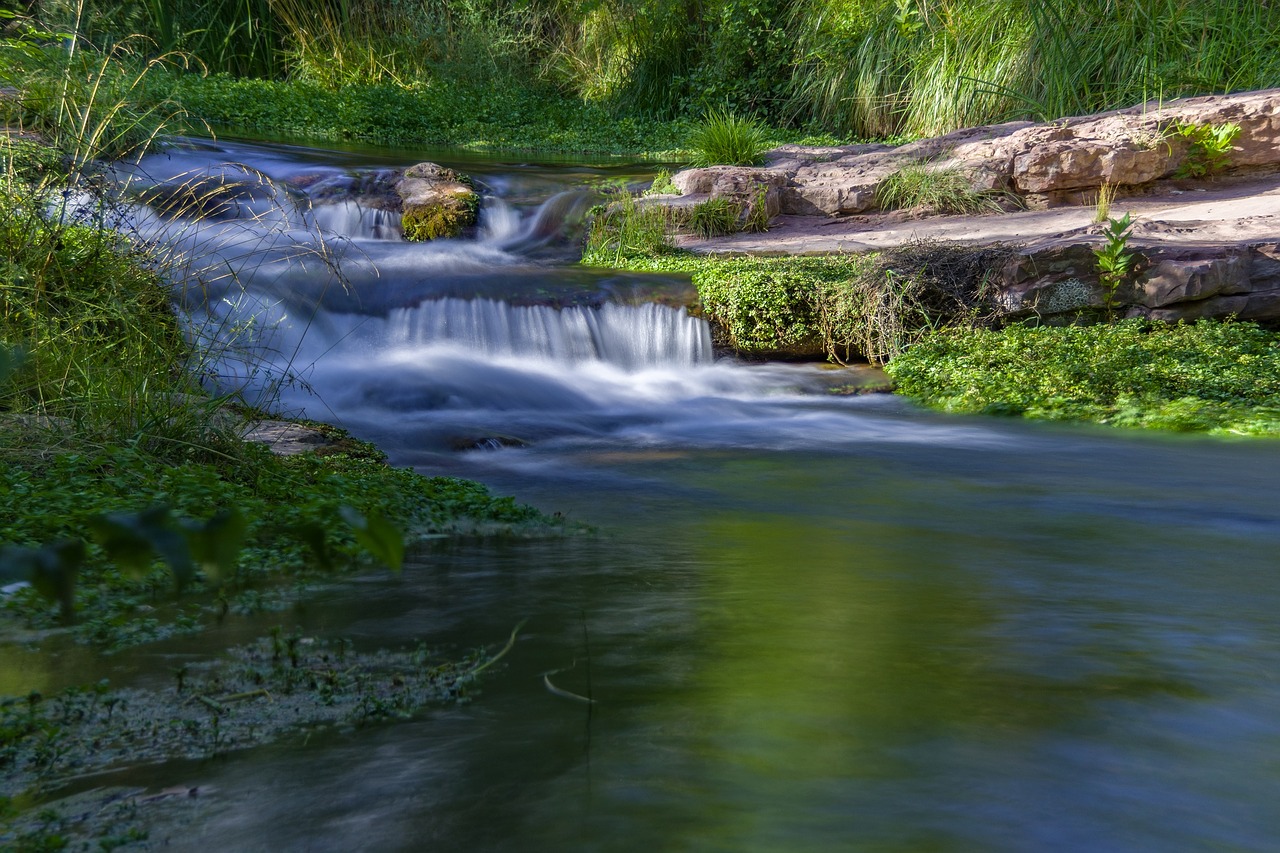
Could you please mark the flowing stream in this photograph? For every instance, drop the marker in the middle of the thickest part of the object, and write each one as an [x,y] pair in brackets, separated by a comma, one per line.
[808,622]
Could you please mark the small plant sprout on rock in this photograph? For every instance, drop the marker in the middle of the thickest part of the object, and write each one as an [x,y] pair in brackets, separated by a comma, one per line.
[1209,148]
[1115,263]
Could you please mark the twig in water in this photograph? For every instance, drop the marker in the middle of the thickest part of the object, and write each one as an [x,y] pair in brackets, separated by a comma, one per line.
[565,694]
[510,642]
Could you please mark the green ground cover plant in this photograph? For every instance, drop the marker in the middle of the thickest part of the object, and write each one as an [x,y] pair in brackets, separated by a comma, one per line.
[472,115]
[296,511]
[1211,376]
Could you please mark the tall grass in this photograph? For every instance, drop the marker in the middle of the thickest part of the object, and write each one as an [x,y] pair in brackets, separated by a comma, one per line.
[937,190]
[858,68]
[723,138]
[880,67]
[84,297]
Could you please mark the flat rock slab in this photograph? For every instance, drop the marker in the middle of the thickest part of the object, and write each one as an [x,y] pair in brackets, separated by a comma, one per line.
[286,438]
[1239,211]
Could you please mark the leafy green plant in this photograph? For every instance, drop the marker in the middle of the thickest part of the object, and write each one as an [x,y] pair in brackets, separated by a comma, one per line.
[1208,148]
[1115,261]
[715,217]
[917,185]
[662,184]
[723,138]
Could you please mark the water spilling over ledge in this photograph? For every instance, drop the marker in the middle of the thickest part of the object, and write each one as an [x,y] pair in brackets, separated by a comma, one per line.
[629,336]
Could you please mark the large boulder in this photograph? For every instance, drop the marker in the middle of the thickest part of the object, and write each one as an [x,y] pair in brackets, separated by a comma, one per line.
[435,202]
[1171,282]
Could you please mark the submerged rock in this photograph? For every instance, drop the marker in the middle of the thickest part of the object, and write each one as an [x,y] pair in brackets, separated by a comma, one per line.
[227,191]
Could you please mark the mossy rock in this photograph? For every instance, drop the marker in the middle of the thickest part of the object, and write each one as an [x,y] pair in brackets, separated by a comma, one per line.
[436,203]
[435,221]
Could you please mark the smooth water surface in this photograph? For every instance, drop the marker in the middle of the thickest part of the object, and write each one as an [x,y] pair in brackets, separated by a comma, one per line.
[806,622]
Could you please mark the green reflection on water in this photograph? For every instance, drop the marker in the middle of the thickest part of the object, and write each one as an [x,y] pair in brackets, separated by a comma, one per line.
[845,654]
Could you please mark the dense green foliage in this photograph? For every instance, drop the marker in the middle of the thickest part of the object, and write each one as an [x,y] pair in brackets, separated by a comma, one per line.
[468,115]
[287,502]
[862,68]
[846,307]
[1218,376]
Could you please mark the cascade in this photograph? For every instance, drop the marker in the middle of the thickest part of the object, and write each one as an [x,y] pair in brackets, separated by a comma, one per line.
[628,336]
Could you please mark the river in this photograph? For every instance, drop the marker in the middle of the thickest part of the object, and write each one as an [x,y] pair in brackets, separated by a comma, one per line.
[806,622]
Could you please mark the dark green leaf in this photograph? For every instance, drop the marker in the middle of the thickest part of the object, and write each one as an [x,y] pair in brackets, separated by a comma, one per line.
[215,544]
[379,537]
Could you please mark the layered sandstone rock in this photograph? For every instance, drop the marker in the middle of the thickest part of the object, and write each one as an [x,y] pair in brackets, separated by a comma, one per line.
[1042,165]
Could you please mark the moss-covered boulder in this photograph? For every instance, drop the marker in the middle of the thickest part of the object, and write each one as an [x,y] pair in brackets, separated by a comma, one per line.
[436,202]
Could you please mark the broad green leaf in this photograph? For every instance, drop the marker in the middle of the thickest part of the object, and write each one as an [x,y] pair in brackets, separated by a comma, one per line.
[313,535]
[379,537]
[215,544]
[134,540]
[50,569]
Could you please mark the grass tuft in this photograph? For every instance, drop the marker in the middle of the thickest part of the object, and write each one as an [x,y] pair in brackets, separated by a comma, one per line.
[715,217]
[919,186]
[725,139]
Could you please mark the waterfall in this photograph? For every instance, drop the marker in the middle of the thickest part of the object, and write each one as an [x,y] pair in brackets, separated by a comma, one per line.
[351,219]
[628,336]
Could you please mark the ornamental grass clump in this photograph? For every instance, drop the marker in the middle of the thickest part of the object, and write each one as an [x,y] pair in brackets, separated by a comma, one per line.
[723,138]
[918,186]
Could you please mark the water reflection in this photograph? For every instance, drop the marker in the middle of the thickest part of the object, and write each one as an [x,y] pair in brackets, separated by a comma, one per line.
[795,652]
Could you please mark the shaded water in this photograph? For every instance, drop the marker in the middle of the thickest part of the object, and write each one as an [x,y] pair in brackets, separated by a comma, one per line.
[808,622]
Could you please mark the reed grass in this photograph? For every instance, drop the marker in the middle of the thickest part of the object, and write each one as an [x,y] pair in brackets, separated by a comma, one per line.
[626,230]
[969,62]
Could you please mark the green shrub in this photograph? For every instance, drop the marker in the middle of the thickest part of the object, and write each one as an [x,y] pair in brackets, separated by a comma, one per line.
[1222,377]
[845,307]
